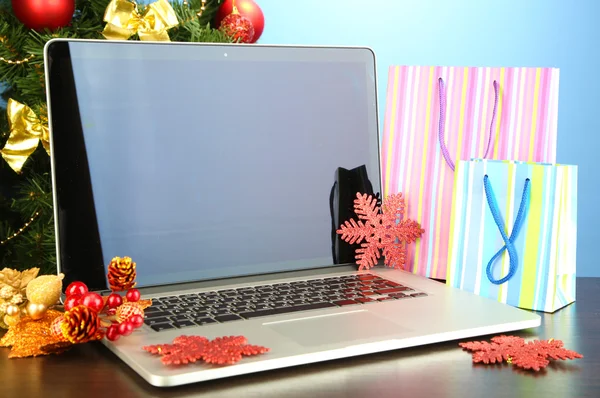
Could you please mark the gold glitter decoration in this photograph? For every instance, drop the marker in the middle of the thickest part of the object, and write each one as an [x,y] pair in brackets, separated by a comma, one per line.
[45,289]
[17,280]
[28,337]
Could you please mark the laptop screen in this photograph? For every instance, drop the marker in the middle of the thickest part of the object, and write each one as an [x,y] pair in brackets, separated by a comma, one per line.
[207,161]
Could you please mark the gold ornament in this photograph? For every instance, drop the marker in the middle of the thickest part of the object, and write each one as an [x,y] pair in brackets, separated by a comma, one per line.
[13,310]
[36,311]
[26,131]
[81,324]
[45,289]
[33,337]
[15,279]
[128,309]
[124,20]
[121,274]
[12,320]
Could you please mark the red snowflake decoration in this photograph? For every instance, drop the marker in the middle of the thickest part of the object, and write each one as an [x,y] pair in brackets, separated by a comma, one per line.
[380,231]
[513,350]
[220,351]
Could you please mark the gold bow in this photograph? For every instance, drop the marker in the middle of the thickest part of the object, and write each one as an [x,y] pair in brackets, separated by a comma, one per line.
[123,21]
[26,131]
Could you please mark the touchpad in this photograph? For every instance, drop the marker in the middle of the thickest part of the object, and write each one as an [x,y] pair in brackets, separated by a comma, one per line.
[336,328]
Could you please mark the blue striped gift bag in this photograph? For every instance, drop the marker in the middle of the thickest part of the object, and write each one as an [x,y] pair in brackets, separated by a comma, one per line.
[513,232]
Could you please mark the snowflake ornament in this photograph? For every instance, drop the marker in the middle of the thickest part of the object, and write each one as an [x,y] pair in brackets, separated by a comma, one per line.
[513,350]
[220,351]
[380,231]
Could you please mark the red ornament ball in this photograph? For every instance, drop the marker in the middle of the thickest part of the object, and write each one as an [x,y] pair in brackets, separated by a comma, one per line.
[125,328]
[246,8]
[133,295]
[114,300]
[76,289]
[136,320]
[93,301]
[238,27]
[44,14]
[72,301]
[112,333]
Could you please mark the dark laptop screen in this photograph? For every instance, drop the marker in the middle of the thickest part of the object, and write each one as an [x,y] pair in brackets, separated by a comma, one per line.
[207,161]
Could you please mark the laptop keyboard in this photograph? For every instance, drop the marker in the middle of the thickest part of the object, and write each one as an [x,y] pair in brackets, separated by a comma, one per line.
[220,306]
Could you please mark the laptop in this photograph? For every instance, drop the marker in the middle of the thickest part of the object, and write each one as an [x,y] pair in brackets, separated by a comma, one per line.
[223,171]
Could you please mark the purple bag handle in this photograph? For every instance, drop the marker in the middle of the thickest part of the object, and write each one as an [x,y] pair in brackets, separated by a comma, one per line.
[442,122]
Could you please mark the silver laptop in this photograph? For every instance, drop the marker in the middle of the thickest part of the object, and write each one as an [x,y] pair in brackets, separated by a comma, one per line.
[224,171]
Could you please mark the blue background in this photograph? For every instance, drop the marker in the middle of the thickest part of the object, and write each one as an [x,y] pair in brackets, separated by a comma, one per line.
[545,33]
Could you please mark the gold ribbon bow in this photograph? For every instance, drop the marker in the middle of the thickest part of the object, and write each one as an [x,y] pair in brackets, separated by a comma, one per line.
[26,131]
[123,21]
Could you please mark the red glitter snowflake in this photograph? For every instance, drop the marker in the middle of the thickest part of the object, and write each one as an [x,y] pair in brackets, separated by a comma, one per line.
[533,355]
[220,351]
[380,229]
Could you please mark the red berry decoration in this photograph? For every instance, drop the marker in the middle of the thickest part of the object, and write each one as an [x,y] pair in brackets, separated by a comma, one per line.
[126,328]
[136,320]
[76,289]
[93,301]
[72,301]
[114,300]
[133,295]
[38,14]
[112,333]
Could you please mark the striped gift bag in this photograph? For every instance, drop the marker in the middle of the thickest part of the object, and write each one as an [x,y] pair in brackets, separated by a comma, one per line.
[514,233]
[496,113]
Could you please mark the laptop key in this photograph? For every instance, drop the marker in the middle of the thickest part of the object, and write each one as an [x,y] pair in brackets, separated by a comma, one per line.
[157,314]
[418,294]
[162,326]
[184,323]
[285,310]
[204,321]
[227,318]
[393,290]
[345,302]
[152,321]
[364,300]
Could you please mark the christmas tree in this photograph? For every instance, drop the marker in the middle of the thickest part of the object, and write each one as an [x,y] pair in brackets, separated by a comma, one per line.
[26,213]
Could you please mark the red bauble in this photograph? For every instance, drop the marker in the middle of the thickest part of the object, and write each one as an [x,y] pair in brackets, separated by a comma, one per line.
[113,333]
[114,300]
[72,301]
[126,328]
[76,289]
[136,320]
[93,301]
[237,27]
[44,14]
[246,8]
[133,295]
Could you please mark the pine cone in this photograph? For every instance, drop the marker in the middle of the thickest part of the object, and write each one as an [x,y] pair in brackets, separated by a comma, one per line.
[17,280]
[80,324]
[121,274]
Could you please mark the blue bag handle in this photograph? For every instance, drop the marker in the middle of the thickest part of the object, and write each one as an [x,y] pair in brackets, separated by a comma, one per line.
[508,241]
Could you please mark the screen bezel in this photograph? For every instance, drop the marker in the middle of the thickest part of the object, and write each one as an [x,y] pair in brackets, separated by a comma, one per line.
[74,261]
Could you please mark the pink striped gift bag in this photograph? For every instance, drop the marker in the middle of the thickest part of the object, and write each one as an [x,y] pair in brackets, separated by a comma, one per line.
[436,116]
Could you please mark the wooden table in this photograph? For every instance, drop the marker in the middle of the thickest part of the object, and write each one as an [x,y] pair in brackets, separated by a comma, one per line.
[440,370]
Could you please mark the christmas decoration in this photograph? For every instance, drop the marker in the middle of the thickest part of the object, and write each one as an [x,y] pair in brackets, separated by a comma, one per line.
[87,317]
[190,349]
[36,14]
[121,274]
[380,228]
[26,131]
[246,8]
[533,355]
[26,215]
[238,27]
[123,21]
[29,337]
[13,286]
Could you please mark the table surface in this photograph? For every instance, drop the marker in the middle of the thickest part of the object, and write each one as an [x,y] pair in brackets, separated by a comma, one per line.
[439,370]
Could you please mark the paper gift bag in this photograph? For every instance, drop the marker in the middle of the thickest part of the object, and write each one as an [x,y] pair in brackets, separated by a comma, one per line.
[514,232]
[502,113]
